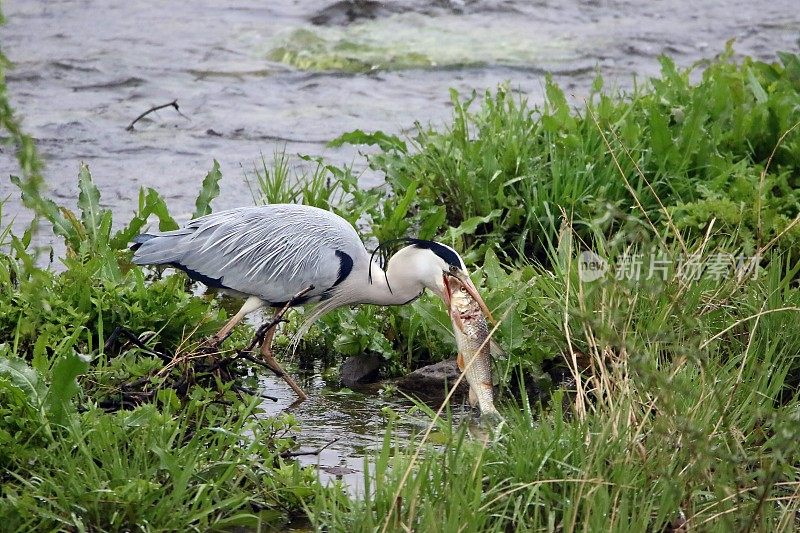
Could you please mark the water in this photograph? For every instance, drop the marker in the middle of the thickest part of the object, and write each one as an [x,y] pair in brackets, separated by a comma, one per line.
[348,424]
[85,68]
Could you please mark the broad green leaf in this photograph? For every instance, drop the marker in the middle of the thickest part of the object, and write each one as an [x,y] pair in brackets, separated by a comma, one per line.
[755,86]
[104,231]
[791,62]
[559,114]
[89,204]
[64,386]
[158,207]
[384,141]
[432,221]
[208,192]
[77,226]
[22,256]
[469,226]
[109,265]
[48,209]
[40,360]
[660,135]
[142,416]
[397,221]
[492,268]
[149,203]
[24,377]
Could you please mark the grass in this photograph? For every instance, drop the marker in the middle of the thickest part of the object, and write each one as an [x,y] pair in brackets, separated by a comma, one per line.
[104,435]
[681,410]
[686,409]
[149,468]
[689,152]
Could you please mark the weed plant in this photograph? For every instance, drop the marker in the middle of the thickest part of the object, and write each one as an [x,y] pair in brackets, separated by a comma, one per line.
[683,413]
[77,453]
[689,153]
[683,409]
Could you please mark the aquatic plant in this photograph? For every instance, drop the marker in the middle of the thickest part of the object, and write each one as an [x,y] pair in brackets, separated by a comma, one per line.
[411,40]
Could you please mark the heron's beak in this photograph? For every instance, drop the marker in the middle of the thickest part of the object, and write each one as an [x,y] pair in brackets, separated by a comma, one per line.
[463,277]
[446,293]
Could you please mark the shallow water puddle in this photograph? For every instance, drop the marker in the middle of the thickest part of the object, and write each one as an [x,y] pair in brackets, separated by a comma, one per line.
[354,418]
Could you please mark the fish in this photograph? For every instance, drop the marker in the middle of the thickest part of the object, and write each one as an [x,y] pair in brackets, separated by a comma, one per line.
[472,338]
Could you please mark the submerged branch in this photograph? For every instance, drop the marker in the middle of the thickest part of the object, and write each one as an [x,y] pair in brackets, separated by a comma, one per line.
[173,103]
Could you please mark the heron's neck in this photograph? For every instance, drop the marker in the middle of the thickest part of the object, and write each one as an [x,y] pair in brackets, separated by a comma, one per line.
[387,287]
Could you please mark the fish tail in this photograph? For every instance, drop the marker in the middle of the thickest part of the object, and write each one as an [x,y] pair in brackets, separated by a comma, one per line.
[491,417]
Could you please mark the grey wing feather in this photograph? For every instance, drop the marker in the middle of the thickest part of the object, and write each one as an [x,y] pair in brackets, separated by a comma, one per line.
[271,251]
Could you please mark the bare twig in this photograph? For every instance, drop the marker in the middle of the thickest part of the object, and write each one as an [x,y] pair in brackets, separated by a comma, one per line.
[252,392]
[287,455]
[203,367]
[120,331]
[173,103]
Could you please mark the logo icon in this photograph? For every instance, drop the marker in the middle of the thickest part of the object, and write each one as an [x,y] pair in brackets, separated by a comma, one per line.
[591,266]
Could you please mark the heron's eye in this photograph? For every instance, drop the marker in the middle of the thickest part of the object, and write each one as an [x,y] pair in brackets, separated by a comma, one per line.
[453,269]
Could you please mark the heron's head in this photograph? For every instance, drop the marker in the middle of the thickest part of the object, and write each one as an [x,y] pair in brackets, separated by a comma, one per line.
[432,264]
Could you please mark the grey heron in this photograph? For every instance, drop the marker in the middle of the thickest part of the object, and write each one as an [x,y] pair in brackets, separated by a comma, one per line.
[268,254]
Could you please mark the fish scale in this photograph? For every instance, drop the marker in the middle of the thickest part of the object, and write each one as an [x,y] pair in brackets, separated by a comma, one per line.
[474,351]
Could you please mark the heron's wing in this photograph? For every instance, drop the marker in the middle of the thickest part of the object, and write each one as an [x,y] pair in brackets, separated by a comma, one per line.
[272,251]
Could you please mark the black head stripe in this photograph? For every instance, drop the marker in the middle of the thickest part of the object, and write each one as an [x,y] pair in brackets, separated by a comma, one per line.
[446,253]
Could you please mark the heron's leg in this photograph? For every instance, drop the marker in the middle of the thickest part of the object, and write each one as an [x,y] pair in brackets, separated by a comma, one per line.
[250,305]
[269,359]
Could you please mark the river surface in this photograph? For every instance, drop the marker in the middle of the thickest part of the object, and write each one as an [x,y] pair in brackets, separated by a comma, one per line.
[84,69]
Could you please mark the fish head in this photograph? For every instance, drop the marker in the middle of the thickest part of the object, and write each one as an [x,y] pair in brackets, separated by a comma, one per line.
[460,293]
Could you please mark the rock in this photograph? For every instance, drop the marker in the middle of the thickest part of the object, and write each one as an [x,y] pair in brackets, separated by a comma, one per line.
[347,11]
[432,380]
[359,369]
[338,470]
